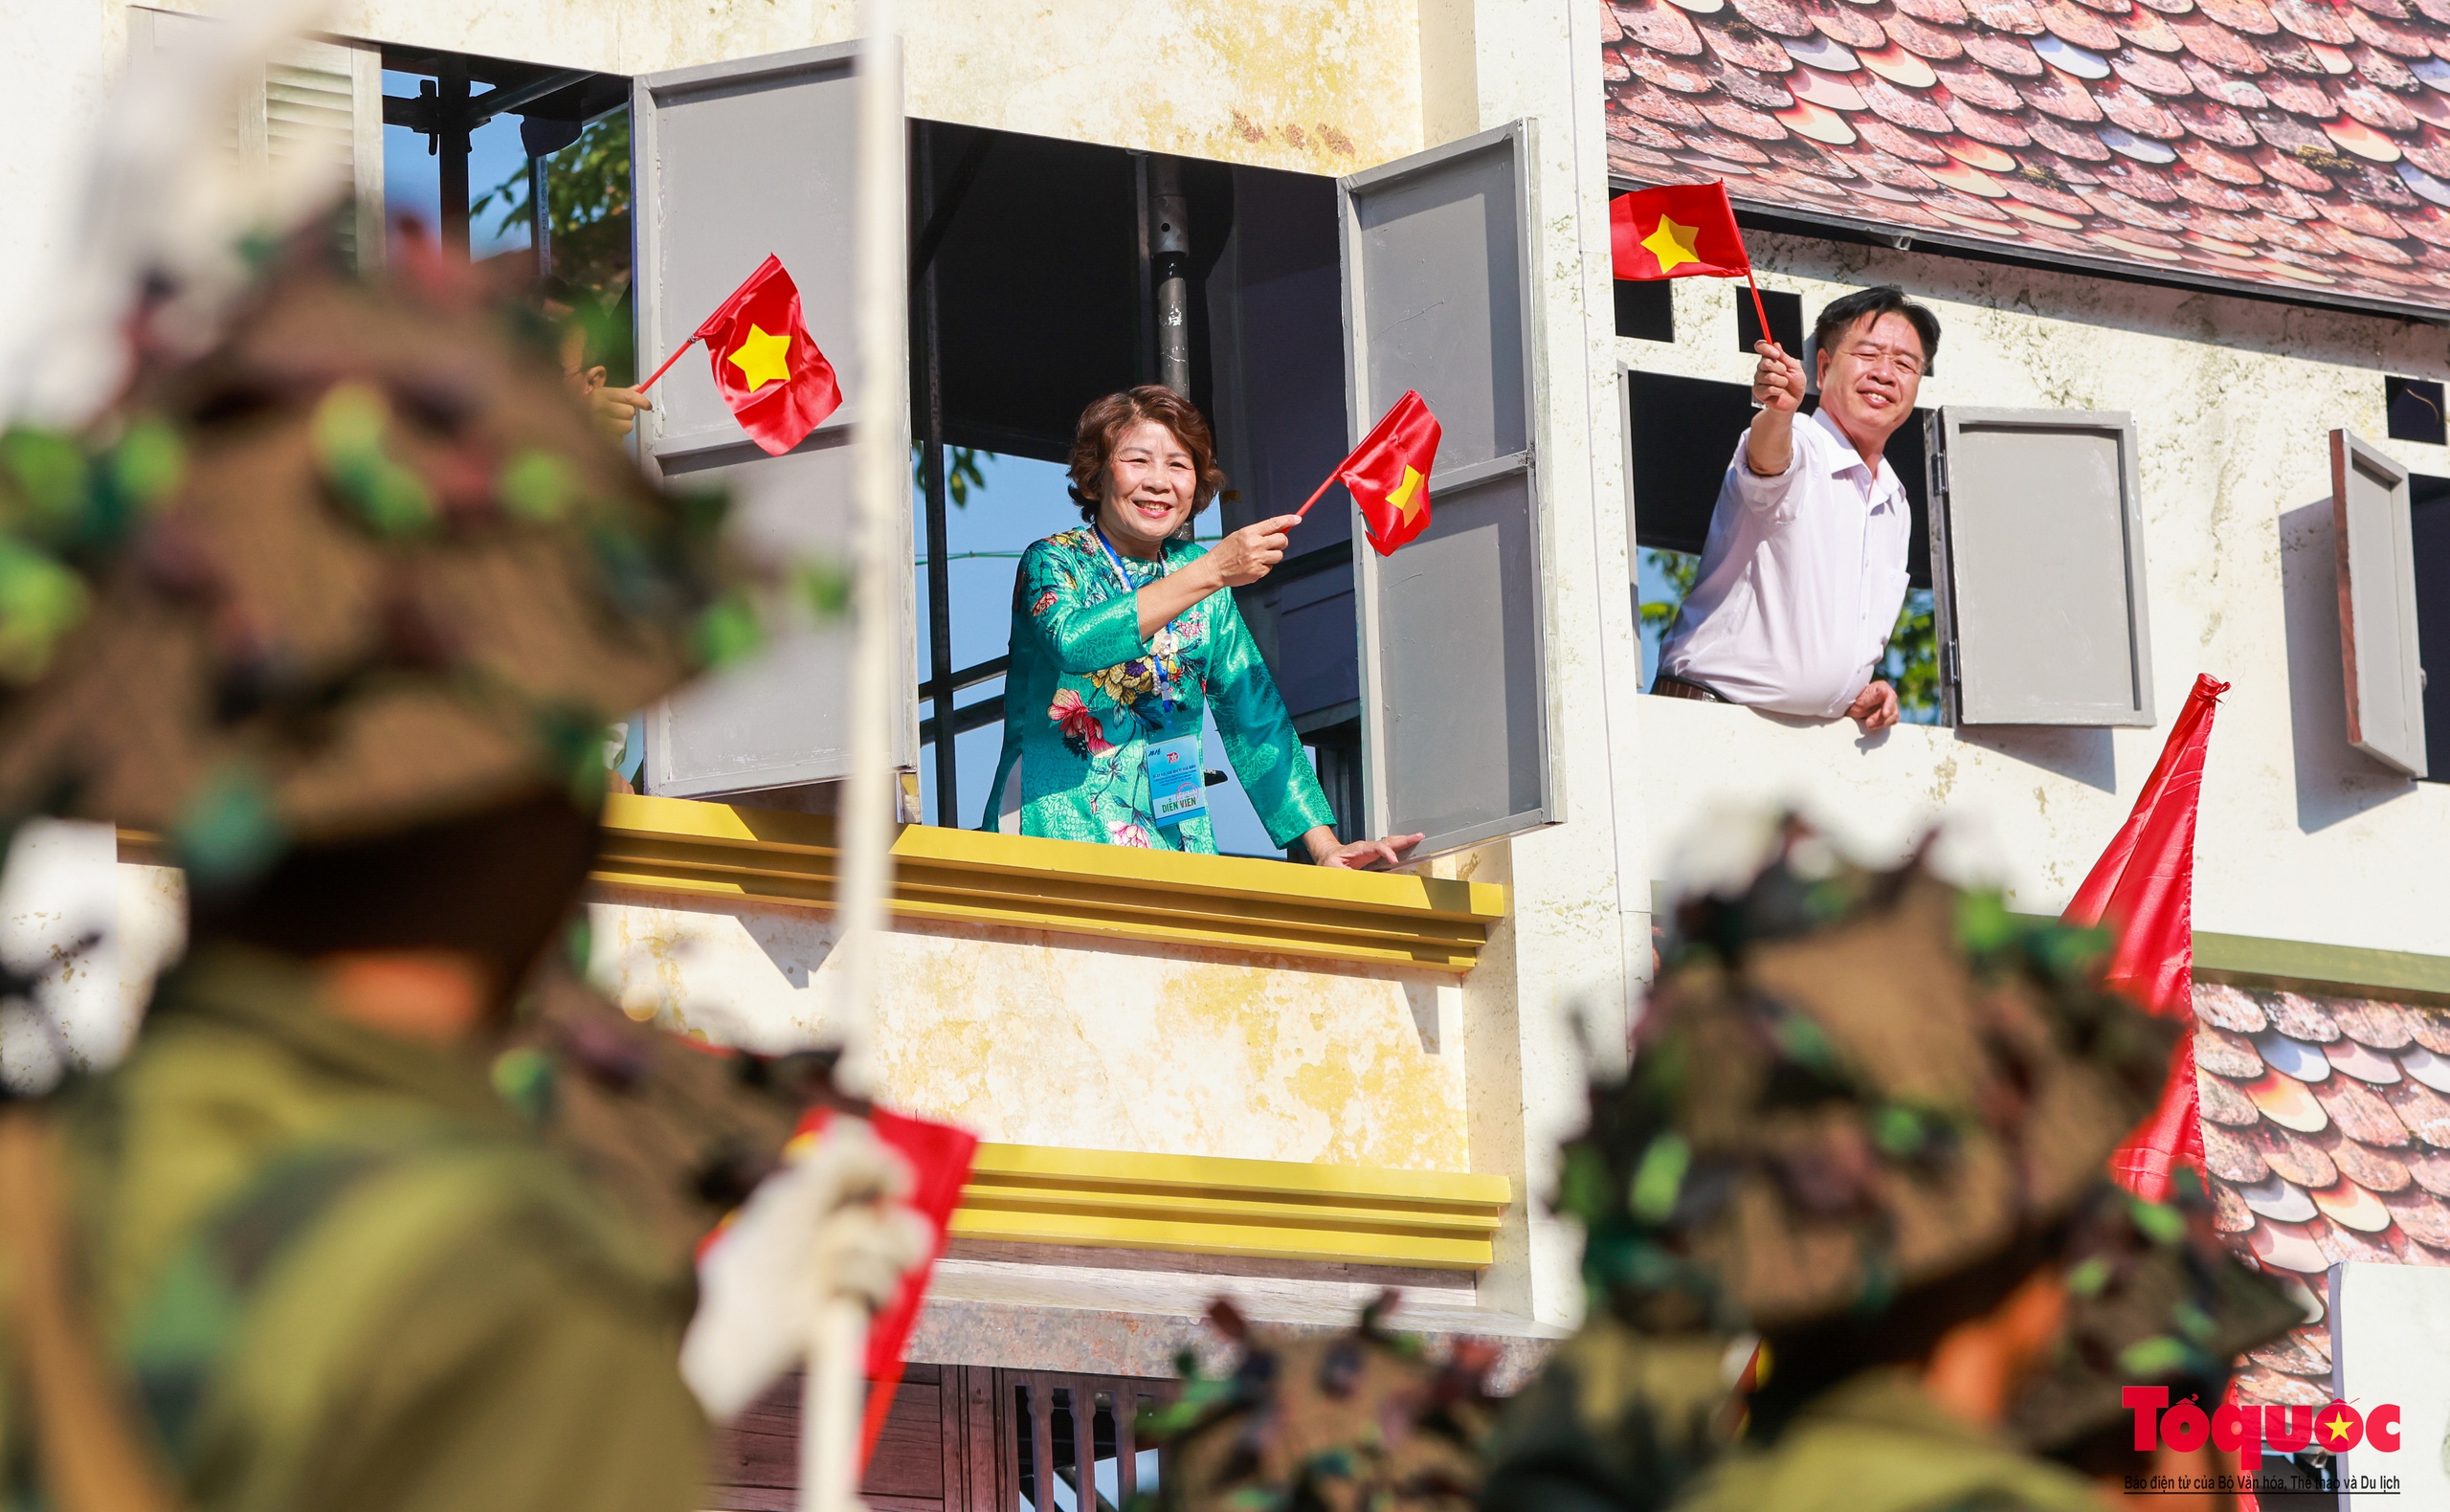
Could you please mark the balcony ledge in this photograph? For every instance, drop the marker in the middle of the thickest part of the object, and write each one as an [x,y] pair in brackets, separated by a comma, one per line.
[719,849]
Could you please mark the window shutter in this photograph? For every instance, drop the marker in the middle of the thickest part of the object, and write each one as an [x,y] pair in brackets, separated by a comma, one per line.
[1454,693]
[317,102]
[2038,567]
[734,161]
[2377,621]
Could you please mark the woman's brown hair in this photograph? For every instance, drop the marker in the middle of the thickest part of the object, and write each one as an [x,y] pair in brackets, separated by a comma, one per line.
[1101,427]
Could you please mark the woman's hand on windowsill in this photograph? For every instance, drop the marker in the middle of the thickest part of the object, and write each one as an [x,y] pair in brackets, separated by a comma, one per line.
[1325,849]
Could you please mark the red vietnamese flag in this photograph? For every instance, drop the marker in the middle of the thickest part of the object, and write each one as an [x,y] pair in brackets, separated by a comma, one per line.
[2144,887]
[1389,473]
[1676,231]
[778,384]
[940,1156]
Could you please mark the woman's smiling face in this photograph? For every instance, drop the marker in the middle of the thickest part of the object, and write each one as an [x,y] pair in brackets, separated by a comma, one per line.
[1150,482]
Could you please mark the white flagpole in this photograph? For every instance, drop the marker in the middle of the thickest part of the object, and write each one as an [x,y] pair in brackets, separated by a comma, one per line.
[835,1396]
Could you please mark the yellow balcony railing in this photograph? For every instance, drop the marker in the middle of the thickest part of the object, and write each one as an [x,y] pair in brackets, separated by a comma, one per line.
[1203,1205]
[973,877]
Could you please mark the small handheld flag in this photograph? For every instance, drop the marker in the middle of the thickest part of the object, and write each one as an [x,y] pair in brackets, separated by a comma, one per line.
[1680,230]
[1388,474]
[766,368]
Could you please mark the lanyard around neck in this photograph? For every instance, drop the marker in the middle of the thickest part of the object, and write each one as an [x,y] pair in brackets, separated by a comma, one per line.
[1114,560]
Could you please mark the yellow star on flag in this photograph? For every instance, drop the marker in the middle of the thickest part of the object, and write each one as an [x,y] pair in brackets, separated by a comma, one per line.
[760,358]
[1406,498]
[2337,1428]
[1672,244]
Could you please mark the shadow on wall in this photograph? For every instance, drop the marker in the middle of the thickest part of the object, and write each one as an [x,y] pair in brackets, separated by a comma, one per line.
[2334,780]
[2076,754]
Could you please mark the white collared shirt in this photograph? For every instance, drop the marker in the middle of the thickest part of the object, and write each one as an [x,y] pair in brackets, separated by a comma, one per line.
[1801,580]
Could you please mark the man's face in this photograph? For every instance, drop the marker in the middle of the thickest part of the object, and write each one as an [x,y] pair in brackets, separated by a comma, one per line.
[1869,376]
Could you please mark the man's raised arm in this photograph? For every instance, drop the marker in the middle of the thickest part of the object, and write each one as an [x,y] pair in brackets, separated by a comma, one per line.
[1777,388]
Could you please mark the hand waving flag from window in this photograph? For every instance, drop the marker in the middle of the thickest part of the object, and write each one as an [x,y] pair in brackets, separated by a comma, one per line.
[776,381]
[1388,474]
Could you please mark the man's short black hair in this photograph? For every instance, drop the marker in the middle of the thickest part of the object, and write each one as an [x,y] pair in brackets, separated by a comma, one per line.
[1840,315]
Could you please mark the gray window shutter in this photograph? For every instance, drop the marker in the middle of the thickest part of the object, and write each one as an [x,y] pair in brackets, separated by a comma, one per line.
[318,102]
[734,161]
[2378,624]
[2038,567]
[1454,696]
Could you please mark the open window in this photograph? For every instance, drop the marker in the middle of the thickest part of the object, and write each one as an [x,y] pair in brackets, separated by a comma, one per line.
[2037,564]
[734,161]
[1036,276]
[1454,695]
[2381,653]
[1680,434]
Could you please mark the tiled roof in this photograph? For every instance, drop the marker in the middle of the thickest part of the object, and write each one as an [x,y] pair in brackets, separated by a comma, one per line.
[2302,144]
[2327,1135]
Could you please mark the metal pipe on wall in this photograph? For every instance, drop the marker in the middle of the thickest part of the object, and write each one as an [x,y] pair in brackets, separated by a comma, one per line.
[928,355]
[451,151]
[1169,267]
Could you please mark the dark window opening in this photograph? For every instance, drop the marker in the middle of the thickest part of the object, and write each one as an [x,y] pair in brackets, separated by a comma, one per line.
[1786,321]
[2415,408]
[1032,265]
[1682,433]
[2429,539]
[1646,309]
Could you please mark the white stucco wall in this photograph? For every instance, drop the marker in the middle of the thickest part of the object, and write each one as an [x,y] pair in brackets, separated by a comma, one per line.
[2302,837]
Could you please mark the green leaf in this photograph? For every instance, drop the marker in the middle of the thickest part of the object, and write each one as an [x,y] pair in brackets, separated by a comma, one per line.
[1897,1130]
[228,833]
[524,1078]
[348,434]
[2159,1222]
[40,602]
[728,629]
[1660,1177]
[2088,1276]
[2157,1356]
[1983,922]
[149,462]
[537,486]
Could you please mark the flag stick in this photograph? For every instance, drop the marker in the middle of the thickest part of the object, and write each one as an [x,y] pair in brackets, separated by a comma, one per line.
[692,342]
[1319,494]
[1758,310]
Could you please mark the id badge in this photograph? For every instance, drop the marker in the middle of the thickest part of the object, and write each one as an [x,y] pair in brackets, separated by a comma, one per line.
[1177,787]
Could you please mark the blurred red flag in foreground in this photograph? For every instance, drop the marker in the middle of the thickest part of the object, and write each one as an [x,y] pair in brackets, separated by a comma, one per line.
[778,384]
[2144,887]
[939,1157]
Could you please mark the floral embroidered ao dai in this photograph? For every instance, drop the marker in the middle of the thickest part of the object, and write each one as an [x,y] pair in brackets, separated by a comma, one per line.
[1086,695]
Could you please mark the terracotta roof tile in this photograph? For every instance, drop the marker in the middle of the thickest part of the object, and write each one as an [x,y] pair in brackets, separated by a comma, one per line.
[2229,1213]
[2229,1008]
[2289,1246]
[2376,1170]
[2233,1158]
[2222,1102]
[2224,1053]
[2424,1112]
[2352,1207]
[2272,1198]
[2431,1027]
[2301,1352]
[2365,1064]
[2426,1067]
[2288,1102]
[2292,1158]
[2360,1114]
[2336,120]
[2271,1387]
[2384,1025]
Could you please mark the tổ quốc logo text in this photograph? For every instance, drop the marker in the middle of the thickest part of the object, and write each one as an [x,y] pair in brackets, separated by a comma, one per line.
[2243,1431]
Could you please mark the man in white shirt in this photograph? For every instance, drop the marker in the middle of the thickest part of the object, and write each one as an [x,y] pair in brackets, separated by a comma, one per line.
[1804,569]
